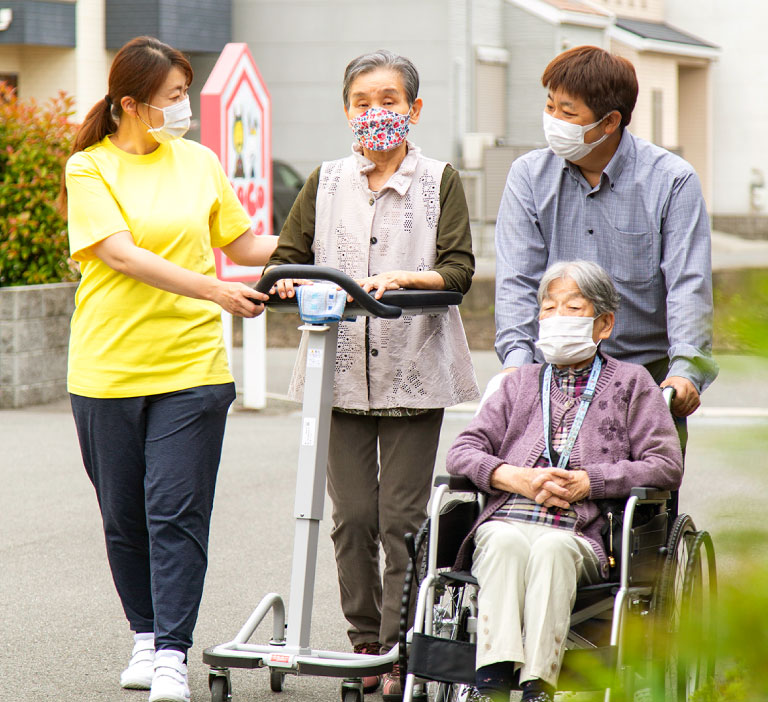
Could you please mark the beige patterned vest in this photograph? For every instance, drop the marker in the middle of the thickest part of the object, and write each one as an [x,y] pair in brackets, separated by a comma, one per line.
[417,361]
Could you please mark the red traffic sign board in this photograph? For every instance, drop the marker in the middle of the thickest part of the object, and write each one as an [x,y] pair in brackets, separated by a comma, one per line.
[236,123]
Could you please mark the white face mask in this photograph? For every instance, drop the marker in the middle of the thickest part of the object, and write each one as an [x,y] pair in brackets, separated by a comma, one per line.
[566,340]
[176,121]
[567,140]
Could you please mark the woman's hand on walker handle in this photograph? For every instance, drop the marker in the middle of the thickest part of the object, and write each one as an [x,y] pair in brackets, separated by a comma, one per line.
[394,280]
[238,299]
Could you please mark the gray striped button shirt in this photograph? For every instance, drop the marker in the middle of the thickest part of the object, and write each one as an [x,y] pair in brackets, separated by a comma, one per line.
[645,223]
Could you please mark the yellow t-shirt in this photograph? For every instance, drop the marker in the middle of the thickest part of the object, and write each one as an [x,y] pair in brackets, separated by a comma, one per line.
[129,338]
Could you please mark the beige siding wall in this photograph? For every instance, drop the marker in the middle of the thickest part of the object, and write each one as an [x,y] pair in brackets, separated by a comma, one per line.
[44,71]
[650,10]
[654,72]
[695,123]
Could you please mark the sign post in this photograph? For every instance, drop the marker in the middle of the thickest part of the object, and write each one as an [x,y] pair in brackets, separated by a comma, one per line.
[236,123]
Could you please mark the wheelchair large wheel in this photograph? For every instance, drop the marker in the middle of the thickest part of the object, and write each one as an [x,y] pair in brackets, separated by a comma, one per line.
[696,660]
[686,585]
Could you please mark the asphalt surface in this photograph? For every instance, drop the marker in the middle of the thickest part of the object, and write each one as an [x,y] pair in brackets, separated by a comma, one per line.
[62,631]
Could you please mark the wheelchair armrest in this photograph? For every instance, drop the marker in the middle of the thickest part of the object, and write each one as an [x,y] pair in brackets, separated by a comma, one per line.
[649,494]
[456,483]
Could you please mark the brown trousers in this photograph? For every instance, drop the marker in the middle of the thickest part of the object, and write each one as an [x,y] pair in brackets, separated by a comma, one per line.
[379,480]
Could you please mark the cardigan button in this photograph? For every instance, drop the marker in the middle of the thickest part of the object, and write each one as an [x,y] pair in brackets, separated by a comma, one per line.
[372,201]
[374,352]
[374,240]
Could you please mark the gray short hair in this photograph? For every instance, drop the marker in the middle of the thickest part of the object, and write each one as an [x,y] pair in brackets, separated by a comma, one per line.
[382,59]
[595,284]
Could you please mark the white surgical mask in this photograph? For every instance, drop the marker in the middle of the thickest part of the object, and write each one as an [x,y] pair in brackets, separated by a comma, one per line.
[567,139]
[566,340]
[176,121]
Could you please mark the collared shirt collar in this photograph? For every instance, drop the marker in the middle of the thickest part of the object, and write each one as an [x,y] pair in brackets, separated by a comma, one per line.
[401,179]
[615,166]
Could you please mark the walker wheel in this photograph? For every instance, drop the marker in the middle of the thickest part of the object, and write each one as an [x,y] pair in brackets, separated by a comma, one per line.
[276,680]
[220,691]
[350,694]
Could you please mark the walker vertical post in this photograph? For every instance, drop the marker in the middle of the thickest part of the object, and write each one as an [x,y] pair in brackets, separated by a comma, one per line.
[310,478]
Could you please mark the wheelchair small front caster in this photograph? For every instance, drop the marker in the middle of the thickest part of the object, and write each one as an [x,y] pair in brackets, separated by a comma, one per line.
[276,680]
[352,690]
[221,688]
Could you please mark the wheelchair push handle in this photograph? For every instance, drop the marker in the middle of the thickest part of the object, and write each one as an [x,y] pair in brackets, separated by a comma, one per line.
[669,395]
[349,285]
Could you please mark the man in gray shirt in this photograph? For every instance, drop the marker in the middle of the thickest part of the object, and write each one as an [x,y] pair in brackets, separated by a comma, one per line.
[599,193]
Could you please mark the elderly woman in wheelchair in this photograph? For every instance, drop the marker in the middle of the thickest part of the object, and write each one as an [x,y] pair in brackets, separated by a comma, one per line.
[544,447]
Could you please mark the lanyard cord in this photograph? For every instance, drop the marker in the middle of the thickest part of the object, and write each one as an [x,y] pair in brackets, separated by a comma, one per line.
[586,398]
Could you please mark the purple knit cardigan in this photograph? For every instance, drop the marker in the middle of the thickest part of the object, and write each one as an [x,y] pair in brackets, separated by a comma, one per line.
[628,439]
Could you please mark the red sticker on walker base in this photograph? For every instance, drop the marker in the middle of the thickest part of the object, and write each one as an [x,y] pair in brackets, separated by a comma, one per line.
[279,658]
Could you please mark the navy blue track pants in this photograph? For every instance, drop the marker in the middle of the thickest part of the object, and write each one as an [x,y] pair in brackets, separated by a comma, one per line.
[153,461]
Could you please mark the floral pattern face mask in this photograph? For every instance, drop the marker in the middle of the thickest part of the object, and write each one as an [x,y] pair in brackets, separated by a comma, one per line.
[378,129]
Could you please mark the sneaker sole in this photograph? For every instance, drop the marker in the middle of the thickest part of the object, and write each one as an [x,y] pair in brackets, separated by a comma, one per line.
[136,684]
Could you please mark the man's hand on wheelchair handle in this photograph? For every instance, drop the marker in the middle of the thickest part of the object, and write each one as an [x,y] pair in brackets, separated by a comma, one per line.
[687,399]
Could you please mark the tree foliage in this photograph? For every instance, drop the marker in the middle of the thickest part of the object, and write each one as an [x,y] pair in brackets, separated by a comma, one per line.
[35,140]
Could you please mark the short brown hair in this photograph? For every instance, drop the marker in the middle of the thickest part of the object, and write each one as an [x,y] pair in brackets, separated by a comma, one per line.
[604,81]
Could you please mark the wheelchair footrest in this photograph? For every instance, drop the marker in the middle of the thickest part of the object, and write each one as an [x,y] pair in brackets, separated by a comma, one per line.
[450,661]
[444,660]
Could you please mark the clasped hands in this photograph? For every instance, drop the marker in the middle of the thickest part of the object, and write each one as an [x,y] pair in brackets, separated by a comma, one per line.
[549,487]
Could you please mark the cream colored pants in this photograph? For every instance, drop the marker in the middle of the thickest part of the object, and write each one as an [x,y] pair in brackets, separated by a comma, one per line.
[528,576]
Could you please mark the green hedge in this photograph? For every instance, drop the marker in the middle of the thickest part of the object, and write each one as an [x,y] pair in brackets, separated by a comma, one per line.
[35,141]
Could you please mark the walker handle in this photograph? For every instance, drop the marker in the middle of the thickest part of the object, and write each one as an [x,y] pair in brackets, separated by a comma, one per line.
[364,299]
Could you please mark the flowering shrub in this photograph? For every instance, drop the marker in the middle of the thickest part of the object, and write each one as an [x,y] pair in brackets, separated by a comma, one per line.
[35,141]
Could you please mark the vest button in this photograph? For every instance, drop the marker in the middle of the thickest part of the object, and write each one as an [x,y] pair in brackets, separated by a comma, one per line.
[374,352]
[371,201]
[374,240]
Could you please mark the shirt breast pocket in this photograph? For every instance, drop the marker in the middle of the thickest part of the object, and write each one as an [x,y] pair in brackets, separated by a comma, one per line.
[633,256]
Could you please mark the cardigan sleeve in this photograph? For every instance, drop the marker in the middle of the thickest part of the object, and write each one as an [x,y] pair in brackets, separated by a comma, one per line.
[298,232]
[454,261]
[475,452]
[655,456]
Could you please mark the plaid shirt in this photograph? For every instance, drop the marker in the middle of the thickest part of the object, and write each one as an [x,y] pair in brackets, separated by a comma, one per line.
[522,509]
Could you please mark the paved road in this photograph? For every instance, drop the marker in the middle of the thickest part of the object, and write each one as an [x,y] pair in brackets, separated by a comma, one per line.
[62,633]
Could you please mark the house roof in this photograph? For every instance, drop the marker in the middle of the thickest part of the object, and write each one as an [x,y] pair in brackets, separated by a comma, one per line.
[659,31]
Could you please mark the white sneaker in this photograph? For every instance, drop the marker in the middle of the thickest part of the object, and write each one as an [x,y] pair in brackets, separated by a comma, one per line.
[169,683]
[138,675]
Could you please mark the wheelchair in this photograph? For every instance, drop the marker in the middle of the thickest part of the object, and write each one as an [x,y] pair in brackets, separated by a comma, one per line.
[624,636]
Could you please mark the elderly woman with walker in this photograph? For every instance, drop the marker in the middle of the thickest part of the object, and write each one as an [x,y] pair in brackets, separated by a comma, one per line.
[390,218]
[148,375]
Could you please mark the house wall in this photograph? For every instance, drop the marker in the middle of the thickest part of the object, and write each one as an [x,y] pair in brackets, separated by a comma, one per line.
[649,10]
[302,48]
[532,43]
[695,123]
[739,105]
[92,60]
[654,72]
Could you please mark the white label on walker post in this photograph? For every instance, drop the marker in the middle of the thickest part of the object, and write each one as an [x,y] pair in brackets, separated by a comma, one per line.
[314,358]
[308,432]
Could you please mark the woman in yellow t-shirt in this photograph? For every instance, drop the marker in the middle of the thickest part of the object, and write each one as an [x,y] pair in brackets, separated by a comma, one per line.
[148,374]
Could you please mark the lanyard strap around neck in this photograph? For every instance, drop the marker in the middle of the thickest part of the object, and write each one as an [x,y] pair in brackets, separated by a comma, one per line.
[586,398]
